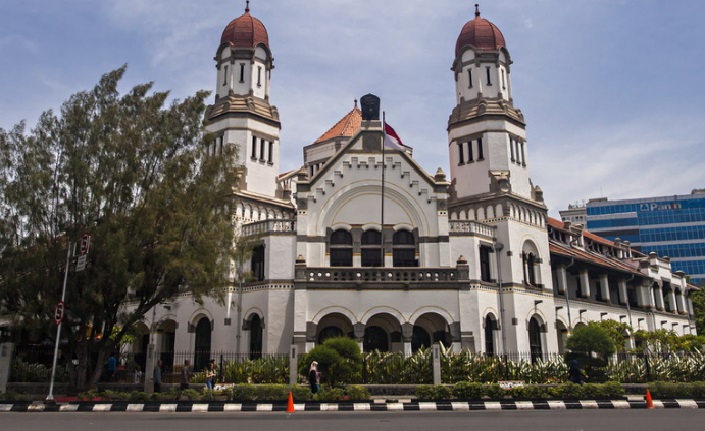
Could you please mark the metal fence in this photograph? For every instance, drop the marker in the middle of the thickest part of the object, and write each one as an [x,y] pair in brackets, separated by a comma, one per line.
[33,364]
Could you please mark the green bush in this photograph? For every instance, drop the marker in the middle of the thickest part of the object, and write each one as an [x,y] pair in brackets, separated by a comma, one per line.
[494,391]
[530,392]
[567,391]
[468,390]
[330,394]
[424,392]
[357,393]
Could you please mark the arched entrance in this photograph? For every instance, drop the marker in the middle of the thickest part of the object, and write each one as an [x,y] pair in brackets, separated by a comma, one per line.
[490,331]
[255,337]
[203,344]
[535,339]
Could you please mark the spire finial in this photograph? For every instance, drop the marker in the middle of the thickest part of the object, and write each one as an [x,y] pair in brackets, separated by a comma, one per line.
[355,103]
[247,6]
[477,9]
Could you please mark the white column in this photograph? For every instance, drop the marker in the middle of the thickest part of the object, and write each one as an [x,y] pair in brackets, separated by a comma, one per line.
[622,288]
[562,279]
[658,295]
[605,287]
[585,283]
[672,300]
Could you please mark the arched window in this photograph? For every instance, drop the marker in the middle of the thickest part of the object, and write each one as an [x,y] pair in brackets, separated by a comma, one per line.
[329,332]
[490,327]
[341,252]
[404,249]
[535,339]
[376,338]
[529,263]
[203,344]
[255,337]
[371,248]
[420,338]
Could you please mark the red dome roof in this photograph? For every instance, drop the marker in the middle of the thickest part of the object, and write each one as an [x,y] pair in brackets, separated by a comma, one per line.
[245,31]
[481,34]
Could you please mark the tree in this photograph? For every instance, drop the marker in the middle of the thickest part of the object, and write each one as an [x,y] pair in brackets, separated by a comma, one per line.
[617,331]
[339,360]
[591,339]
[698,299]
[135,174]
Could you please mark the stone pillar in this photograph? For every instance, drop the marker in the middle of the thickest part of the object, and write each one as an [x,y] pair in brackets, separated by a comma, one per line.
[562,279]
[6,350]
[407,332]
[658,296]
[622,288]
[585,283]
[605,288]
[436,364]
[293,365]
[680,302]
[673,307]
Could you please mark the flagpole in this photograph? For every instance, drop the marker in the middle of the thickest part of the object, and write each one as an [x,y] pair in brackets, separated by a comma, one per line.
[384,131]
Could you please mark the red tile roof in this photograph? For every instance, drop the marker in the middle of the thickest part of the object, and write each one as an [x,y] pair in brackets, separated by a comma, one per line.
[347,126]
[481,34]
[245,32]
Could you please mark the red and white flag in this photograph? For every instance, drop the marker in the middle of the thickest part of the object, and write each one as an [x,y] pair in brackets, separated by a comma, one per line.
[391,139]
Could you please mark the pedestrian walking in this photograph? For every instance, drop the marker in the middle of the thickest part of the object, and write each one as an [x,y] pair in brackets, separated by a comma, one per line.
[158,376]
[575,374]
[185,375]
[314,377]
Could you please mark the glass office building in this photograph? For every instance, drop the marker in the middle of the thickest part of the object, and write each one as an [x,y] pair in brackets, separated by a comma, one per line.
[672,226]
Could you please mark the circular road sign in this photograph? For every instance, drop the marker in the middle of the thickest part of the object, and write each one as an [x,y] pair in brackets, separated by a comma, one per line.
[59,312]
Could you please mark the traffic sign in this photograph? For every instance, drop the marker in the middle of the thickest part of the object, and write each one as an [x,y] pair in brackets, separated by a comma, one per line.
[85,244]
[59,312]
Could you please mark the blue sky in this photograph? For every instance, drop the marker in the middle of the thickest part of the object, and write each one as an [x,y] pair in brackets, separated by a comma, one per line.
[611,90]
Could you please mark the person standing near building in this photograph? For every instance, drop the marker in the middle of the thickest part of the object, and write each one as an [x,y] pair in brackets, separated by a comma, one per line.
[210,375]
[158,376]
[111,367]
[185,375]
[314,377]
[574,373]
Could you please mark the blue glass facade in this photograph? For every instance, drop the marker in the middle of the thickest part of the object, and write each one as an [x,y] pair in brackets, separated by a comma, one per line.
[671,226]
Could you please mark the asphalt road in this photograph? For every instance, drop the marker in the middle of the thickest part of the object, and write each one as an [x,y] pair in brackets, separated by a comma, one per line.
[544,420]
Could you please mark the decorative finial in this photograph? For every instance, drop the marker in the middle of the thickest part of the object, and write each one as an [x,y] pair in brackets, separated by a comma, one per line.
[247,6]
[355,103]
[477,10]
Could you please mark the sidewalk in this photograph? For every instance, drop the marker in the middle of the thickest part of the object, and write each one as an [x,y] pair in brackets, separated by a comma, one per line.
[375,405]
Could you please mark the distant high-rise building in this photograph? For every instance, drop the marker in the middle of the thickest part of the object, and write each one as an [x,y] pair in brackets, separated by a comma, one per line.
[672,226]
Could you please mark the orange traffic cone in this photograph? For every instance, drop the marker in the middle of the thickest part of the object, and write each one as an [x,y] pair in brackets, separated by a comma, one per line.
[649,401]
[290,405]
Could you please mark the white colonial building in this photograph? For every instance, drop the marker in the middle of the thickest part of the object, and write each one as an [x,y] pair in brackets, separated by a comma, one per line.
[362,241]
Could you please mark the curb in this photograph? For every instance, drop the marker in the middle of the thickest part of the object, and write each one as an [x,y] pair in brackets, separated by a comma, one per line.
[189,407]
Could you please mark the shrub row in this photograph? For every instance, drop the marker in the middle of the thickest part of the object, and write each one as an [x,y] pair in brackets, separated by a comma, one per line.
[476,391]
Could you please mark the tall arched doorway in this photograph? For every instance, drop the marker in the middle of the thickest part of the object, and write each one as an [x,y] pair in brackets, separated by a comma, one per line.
[255,337]
[490,328]
[535,339]
[203,344]
[376,338]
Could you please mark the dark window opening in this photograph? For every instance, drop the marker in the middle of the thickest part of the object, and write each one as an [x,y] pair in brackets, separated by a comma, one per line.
[461,155]
[375,339]
[242,72]
[225,75]
[511,149]
[504,85]
[535,340]
[371,249]
[489,77]
[271,150]
[529,263]
[490,327]
[259,76]
[254,147]
[404,249]
[341,252]
[257,263]
[469,78]
[480,150]
[470,158]
[255,337]
[420,338]
[262,143]
[485,274]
